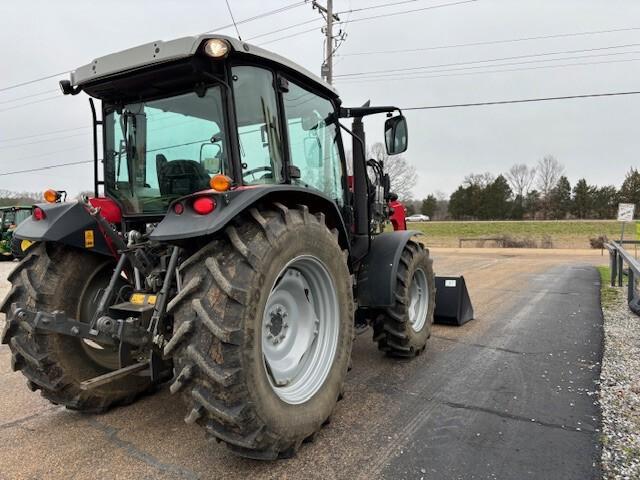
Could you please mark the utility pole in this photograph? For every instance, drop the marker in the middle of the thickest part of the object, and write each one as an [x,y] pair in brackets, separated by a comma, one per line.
[326,70]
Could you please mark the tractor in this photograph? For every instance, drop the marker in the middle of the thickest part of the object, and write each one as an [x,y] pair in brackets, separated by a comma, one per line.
[10,246]
[224,250]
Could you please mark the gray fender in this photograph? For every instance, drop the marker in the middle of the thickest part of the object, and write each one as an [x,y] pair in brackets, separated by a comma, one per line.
[378,270]
[65,223]
[189,224]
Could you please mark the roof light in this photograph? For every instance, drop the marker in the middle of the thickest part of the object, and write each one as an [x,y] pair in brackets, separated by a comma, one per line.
[203,205]
[216,48]
[220,183]
[38,214]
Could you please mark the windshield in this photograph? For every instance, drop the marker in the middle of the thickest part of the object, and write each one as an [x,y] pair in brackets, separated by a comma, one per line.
[160,150]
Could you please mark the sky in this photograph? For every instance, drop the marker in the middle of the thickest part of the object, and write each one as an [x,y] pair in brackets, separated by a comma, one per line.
[597,138]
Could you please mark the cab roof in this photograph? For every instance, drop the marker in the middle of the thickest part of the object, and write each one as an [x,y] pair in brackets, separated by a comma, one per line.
[161,52]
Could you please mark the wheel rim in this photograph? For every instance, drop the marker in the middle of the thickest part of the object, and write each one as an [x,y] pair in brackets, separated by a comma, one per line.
[418,300]
[299,330]
[104,355]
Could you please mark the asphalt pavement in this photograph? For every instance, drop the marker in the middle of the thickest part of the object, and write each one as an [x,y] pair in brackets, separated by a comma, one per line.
[509,395]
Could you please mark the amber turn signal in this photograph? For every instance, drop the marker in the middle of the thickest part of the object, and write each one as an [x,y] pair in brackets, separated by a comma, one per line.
[220,183]
[51,196]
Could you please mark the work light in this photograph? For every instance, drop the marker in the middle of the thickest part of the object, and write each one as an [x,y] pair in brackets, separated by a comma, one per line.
[216,48]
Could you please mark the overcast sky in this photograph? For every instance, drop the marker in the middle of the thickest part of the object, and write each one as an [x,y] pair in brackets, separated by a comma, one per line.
[595,138]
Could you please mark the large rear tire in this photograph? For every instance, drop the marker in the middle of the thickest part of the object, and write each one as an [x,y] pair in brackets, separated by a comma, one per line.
[403,329]
[275,285]
[52,277]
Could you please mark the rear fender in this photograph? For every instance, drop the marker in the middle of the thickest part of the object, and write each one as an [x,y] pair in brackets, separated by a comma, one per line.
[177,227]
[378,271]
[68,224]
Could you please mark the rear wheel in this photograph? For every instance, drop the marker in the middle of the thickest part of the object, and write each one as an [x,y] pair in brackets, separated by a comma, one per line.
[403,329]
[50,278]
[263,331]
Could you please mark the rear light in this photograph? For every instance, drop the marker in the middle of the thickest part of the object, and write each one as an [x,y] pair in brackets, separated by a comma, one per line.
[178,208]
[203,205]
[38,214]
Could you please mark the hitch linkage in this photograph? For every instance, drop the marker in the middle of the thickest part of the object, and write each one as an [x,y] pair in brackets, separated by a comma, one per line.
[109,331]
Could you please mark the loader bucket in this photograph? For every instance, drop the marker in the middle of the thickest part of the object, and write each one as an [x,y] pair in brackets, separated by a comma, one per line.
[453,305]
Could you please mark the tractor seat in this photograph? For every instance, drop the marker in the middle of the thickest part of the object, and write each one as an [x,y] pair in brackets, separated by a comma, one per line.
[180,177]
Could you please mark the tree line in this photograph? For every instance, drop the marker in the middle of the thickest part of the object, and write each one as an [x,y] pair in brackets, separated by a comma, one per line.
[542,192]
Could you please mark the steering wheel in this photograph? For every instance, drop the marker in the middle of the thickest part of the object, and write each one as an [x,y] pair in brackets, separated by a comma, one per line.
[253,171]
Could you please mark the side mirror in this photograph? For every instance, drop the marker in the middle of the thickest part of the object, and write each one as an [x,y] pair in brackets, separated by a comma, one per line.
[210,157]
[396,135]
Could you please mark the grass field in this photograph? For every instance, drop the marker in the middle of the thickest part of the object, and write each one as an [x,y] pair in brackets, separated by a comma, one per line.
[555,234]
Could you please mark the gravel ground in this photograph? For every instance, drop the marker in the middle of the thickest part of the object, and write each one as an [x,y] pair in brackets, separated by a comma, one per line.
[620,389]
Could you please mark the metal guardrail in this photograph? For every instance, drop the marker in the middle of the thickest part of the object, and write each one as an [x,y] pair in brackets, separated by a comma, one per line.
[618,256]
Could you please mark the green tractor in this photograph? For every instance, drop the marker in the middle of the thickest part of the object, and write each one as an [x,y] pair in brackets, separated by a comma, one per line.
[225,251]
[10,246]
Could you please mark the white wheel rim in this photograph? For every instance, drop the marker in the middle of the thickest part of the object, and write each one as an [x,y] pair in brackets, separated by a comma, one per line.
[418,300]
[300,329]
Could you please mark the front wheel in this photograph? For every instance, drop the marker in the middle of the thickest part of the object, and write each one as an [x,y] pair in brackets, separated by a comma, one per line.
[263,331]
[403,329]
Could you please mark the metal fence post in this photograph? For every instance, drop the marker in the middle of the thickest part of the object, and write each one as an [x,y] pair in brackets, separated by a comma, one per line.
[620,269]
[631,287]
[613,254]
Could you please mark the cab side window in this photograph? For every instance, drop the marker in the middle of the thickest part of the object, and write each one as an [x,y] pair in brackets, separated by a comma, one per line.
[258,128]
[313,141]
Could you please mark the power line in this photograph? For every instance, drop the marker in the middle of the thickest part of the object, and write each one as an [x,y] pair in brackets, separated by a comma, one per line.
[493,42]
[303,32]
[378,79]
[30,103]
[283,29]
[44,134]
[29,82]
[393,71]
[373,7]
[393,14]
[28,96]
[260,15]
[4,147]
[45,167]
[523,100]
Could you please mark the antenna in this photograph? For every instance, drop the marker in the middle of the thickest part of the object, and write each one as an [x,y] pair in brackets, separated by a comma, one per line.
[233,20]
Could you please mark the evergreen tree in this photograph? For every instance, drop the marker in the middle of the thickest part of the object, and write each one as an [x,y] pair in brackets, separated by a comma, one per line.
[460,203]
[517,208]
[582,199]
[560,199]
[429,205]
[495,200]
[605,202]
[532,204]
[630,190]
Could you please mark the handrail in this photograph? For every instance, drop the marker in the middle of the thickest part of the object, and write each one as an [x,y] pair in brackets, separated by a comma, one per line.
[618,256]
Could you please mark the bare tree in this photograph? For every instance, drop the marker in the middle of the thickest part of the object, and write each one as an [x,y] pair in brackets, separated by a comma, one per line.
[402,174]
[478,179]
[521,177]
[549,172]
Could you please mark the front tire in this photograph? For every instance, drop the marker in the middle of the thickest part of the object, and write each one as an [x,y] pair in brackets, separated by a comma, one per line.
[232,351]
[403,329]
